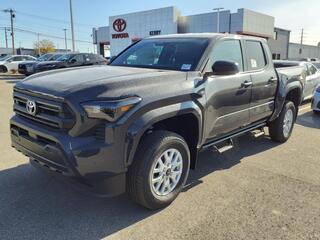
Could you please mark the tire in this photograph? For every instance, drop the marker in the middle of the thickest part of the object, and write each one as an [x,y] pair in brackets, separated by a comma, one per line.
[151,149]
[278,129]
[3,69]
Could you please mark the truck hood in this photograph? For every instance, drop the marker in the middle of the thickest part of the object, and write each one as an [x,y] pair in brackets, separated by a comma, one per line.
[94,82]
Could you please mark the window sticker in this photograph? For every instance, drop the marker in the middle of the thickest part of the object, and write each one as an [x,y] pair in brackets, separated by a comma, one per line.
[253,63]
[186,66]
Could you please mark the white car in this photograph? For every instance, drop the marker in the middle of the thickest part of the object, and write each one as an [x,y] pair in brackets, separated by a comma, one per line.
[315,102]
[10,63]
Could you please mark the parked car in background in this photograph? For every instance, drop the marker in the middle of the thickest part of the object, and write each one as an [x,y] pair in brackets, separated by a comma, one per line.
[317,65]
[2,55]
[315,102]
[301,59]
[315,59]
[10,63]
[27,68]
[71,60]
[311,78]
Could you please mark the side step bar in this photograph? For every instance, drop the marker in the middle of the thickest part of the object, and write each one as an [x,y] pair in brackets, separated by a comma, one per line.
[235,134]
[258,132]
[224,148]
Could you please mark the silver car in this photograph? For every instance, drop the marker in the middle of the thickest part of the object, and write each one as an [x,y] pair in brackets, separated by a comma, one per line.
[311,78]
[317,65]
[315,102]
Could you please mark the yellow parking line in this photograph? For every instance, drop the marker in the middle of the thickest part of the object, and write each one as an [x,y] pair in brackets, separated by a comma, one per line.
[304,108]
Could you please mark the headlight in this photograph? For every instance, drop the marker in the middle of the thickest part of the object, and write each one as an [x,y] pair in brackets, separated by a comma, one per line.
[109,110]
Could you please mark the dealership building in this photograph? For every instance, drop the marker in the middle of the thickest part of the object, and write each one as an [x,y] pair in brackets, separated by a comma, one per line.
[125,29]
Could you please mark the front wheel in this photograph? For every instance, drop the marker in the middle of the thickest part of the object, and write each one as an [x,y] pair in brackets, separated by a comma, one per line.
[3,69]
[281,128]
[160,169]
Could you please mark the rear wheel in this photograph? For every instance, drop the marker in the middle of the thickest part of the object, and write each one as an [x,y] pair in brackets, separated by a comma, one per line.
[281,128]
[3,69]
[160,169]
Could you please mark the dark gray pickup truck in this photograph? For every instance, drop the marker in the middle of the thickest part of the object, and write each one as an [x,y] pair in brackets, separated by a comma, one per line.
[137,125]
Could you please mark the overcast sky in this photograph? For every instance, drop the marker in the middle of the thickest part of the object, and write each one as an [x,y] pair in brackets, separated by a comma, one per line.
[50,17]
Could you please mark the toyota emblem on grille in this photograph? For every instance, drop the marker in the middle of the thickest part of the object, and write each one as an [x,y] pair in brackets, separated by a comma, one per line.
[31,107]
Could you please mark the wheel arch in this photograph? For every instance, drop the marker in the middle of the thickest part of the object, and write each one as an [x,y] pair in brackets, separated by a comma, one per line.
[184,119]
[293,92]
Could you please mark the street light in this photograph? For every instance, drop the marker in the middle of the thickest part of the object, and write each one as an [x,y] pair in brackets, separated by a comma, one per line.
[12,16]
[72,30]
[218,17]
[65,38]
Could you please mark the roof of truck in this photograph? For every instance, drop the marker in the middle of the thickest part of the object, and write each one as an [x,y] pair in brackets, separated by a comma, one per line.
[205,35]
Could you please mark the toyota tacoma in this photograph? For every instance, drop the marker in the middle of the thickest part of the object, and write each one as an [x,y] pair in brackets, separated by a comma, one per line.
[138,124]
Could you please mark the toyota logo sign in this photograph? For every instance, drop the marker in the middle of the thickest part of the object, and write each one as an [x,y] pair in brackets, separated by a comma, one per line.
[31,107]
[119,25]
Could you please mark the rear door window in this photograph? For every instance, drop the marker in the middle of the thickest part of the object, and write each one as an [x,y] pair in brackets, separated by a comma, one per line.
[79,58]
[255,55]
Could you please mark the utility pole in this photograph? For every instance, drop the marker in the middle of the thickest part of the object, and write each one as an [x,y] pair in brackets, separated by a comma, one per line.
[65,38]
[6,36]
[72,30]
[301,41]
[12,16]
[218,17]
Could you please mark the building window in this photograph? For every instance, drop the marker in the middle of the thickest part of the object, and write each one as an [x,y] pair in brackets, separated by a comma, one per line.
[276,56]
[275,35]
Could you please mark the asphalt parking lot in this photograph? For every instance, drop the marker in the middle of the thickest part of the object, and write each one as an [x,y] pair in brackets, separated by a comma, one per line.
[259,190]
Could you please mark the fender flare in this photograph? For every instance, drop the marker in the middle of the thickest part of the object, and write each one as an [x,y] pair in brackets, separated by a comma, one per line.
[282,93]
[144,122]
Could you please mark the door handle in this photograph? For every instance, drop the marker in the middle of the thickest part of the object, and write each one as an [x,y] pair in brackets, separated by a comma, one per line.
[272,80]
[246,84]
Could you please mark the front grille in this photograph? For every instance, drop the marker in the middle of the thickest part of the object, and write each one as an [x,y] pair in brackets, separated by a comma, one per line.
[50,112]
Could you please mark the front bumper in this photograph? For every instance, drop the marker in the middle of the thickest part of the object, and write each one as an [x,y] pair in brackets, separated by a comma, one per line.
[315,102]
[91,164]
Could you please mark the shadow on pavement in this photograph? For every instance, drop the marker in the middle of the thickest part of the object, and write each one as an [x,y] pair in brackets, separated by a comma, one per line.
[309,119]
[36,206]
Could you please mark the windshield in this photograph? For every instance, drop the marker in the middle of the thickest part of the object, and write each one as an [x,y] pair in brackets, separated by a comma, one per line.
[317,64]
[5,58]
[55,57]
[65,58]
[181,54]
[44,57]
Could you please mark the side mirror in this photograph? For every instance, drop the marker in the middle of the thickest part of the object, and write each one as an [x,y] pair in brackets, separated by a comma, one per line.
[73,60]
[225,68]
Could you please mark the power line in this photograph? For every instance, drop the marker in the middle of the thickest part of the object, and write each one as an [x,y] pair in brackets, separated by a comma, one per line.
[52,19]
[49,27]
[44,34]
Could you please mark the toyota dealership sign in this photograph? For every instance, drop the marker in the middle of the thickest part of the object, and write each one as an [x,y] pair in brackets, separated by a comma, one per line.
[119,25]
